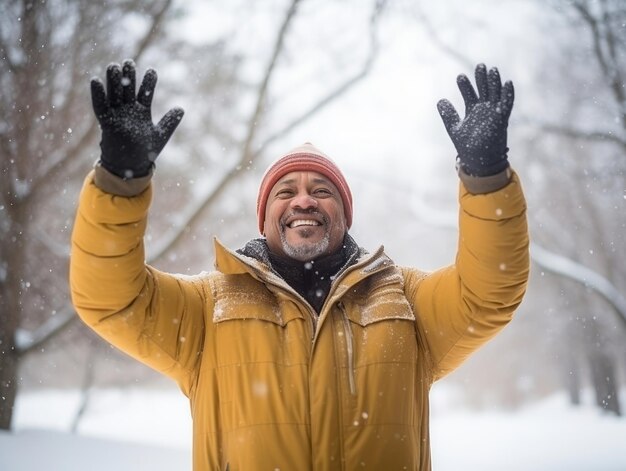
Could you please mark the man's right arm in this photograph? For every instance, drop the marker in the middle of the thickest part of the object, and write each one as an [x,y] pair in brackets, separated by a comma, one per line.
[155,317]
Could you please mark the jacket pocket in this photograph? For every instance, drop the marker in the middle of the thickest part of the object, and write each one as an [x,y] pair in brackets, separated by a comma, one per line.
[382,332]
[380,299]
[261,346]
[253,329]
[239,302]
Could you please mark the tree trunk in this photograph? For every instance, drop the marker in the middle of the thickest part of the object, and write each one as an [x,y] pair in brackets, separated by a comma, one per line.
[603,378]
[9,319]
[10,314]
[572,379]
[16,182]
[11,311]
[88,381]
[8,373]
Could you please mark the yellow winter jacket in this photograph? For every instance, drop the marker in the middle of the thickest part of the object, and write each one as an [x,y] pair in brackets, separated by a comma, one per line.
[271,385]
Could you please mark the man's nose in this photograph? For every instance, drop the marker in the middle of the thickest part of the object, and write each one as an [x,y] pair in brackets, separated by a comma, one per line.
[304,200]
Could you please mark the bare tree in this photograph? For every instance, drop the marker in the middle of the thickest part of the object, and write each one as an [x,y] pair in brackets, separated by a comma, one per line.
[49,50]
[590,133]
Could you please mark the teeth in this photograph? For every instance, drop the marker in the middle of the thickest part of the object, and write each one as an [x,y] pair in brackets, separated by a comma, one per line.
[303,222]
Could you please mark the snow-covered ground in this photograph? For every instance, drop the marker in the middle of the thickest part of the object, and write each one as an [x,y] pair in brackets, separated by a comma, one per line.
[139,429]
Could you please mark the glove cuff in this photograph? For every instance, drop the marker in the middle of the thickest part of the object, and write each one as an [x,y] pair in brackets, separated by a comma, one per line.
[112,183]
[488,184]
[125,171]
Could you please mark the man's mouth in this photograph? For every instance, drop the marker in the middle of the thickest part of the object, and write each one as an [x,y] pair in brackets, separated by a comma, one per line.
[303,222]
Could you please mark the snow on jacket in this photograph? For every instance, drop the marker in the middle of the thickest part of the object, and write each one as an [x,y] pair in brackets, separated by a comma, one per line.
[272,385]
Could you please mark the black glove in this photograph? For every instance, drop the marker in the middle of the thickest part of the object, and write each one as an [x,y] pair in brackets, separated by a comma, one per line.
[130,142]
[480,139]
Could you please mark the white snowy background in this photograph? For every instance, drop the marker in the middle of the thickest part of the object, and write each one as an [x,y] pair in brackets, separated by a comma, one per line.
[142,429]
[370,134]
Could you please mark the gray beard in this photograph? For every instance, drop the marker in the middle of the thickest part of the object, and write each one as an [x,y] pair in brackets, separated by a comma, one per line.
[305,252]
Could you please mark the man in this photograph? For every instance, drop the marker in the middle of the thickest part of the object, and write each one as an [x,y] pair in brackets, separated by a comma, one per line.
[301,350]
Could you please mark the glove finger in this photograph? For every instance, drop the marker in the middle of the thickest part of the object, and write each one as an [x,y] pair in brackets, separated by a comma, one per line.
[495,85]
[448,114]
[114,85]
[98,98]
[481,82]
[146,90]
[128,81]
[167,125]
[467,92]
[508,96]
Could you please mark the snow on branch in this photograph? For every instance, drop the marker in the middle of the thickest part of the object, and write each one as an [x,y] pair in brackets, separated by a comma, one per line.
[570,269]
[27,341]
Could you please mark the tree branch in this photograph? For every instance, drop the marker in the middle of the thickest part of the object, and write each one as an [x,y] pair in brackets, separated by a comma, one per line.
[436,39]
[341,89]
[29,341]
[157,22]
[597,136]
[575,271]
[4,50]
[74,152]
[607,60]
[586,15]
[245,156]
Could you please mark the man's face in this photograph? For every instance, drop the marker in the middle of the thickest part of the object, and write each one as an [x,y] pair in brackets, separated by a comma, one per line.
[304,217]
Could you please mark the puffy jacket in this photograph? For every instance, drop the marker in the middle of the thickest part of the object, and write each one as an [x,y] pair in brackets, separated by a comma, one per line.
[272,385]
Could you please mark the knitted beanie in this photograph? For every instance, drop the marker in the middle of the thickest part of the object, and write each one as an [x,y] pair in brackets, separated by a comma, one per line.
[305,158]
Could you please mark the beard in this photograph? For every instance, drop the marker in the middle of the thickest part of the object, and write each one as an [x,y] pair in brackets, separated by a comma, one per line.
[306,251]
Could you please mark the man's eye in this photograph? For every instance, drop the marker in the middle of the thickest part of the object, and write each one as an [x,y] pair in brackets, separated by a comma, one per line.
[284,193]
[323,192]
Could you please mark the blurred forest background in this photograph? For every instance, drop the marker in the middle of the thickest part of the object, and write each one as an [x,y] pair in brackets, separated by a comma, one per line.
[360,79]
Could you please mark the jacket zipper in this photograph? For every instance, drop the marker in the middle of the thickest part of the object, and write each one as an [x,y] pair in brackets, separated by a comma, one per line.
[313,326]
[349,347]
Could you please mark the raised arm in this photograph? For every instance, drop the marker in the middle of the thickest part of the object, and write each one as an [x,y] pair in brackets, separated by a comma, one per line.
[155,317]
[462,306]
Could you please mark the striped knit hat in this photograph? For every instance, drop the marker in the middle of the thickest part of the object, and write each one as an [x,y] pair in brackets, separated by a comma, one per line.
[304,158]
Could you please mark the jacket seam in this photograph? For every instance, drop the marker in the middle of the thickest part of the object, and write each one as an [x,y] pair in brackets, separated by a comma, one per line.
[265,424]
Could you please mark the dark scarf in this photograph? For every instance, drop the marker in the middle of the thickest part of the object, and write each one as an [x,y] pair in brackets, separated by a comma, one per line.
[312,280]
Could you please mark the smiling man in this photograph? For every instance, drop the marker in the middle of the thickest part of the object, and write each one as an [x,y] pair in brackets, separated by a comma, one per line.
[301,350]
[308,205]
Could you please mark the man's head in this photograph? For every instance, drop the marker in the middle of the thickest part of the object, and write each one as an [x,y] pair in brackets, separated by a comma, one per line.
[304,206]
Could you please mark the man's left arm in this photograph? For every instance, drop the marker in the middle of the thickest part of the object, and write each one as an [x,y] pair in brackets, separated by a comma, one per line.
[462,306]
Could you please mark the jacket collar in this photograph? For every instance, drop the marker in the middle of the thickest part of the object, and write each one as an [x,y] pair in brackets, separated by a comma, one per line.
[230,262]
